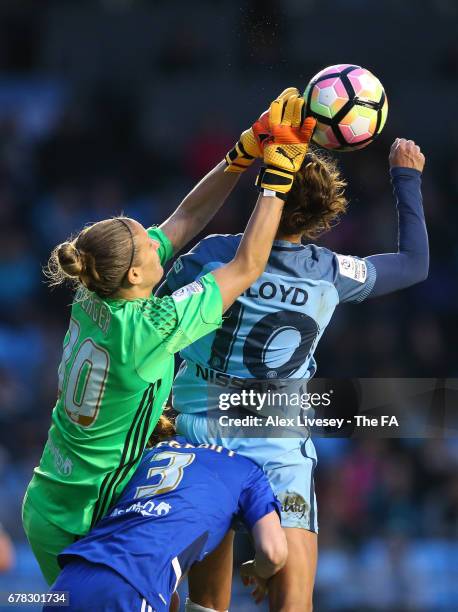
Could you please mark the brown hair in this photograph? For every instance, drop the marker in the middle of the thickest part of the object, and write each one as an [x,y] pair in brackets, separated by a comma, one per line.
[98,258]
[316,199]
[165,429]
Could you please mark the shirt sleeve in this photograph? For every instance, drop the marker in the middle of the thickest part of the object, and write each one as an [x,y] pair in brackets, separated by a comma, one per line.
[165,250]
[257,499]
[181,318]
[185,269]
[353,277]
[210,253]
[411,262]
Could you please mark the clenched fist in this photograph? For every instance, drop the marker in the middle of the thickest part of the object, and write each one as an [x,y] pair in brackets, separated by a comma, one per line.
[406,154]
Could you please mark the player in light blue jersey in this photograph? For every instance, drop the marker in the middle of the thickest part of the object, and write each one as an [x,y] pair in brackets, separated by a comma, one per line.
[274,328]
[175,510]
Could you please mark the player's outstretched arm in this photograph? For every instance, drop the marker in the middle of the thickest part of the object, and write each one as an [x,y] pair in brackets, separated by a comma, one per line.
[199,206]
[207,197]
[284,149]
[411,263]
[253,252]
[198,306]
[270,545]
[271,554]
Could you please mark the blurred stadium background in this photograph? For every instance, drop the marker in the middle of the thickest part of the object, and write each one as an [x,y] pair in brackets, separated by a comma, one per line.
[122,105]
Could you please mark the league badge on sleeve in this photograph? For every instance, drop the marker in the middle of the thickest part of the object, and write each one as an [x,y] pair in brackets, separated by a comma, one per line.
[352,267]
[181,294]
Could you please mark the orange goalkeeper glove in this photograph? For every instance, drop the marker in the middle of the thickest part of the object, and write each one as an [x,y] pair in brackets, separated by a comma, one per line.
[284,145]
[247,148]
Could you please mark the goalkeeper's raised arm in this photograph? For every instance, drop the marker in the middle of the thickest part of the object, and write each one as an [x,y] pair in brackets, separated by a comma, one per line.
[284,148]
[207,197]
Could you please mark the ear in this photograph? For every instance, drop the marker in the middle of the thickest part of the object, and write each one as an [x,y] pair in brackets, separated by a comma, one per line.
[134,276]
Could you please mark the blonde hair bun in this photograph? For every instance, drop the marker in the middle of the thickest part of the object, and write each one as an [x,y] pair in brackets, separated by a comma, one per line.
[70,260]
[98,258]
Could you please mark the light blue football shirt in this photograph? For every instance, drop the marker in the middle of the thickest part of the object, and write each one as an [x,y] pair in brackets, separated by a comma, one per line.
[273,329]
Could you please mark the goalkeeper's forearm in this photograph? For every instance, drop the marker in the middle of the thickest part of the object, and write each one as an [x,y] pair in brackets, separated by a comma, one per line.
[199,206]
[253,252]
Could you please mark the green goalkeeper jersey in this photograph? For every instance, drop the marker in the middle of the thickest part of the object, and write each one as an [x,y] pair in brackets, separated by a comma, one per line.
[115,376]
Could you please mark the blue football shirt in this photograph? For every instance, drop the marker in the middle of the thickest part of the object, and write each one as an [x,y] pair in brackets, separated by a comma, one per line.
[176,509]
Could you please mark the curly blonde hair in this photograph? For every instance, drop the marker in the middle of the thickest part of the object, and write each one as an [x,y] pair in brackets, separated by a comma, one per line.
[317,198]
[164,430]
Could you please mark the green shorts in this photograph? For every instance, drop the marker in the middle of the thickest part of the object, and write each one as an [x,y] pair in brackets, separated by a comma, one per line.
[46,539]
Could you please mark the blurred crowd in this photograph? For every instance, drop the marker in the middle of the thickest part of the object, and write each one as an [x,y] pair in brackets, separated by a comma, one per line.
[115,107]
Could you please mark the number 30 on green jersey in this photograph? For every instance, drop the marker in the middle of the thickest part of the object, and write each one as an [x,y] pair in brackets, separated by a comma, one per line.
[82,376]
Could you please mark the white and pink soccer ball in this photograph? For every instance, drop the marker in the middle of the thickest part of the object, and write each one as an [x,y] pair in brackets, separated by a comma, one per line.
[349,104]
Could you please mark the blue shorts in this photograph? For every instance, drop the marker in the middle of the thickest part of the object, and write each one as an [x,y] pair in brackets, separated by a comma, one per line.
[289,464]
[97,588]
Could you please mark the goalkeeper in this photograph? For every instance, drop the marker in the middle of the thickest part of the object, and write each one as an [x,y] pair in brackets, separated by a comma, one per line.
[117,364]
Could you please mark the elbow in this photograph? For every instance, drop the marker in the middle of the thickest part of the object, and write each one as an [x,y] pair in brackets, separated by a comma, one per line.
[416,269]
[422,270]
[250,269]
[255,266]
[252,273]
[423,276]
[425,273]
[279,560]
[275,553]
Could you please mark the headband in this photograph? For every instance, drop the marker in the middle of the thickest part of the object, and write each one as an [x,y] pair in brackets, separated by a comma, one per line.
[132,241]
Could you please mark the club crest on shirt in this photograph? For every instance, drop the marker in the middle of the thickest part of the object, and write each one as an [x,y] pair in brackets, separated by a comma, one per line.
[178,266]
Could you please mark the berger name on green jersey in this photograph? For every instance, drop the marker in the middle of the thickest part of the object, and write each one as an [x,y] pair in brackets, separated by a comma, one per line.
[114,379]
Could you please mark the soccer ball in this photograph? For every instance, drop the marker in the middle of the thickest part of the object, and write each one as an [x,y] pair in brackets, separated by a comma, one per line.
[349,104]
